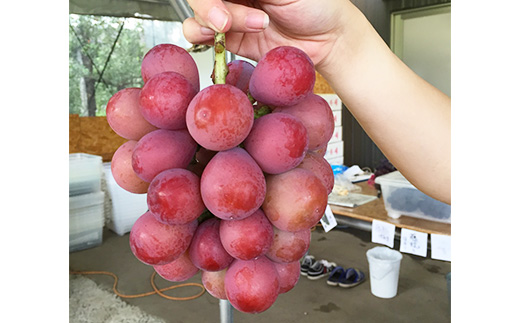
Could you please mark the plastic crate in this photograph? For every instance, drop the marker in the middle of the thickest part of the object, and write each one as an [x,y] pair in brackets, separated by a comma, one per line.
[85,173]
[402,198]
[126,207]
[86,220]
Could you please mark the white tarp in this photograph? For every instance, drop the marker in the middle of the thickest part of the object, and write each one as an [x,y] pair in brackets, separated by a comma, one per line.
[149,9]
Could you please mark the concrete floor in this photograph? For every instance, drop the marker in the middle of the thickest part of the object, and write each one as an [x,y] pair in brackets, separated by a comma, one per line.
[422,293]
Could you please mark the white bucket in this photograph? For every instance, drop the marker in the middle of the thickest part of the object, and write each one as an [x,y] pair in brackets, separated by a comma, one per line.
[384,266]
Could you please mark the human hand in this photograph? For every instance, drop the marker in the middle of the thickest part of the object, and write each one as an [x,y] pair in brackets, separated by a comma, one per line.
[254,27]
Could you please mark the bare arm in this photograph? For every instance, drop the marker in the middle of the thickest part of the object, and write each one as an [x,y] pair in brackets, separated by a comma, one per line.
[407,118]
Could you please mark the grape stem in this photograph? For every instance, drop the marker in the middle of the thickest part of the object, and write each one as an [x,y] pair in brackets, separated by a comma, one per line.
[205,216]
[262,111]
[220,69]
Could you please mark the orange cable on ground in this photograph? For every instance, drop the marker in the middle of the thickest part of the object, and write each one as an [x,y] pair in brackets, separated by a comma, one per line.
[156,291]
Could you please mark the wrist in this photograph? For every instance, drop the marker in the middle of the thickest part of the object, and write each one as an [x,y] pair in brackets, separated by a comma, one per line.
[351,48]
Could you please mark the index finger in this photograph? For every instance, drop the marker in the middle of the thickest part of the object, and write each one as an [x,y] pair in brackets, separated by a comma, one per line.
[212,13]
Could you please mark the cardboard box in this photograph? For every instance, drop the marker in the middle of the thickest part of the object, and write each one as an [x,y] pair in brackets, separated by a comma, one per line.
[335,160]
[333,100]
[334,150]
[337,118]
[337,135]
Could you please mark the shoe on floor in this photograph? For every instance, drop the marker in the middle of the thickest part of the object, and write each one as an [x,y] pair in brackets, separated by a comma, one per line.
[335,276]
[345,278]
[320,269]
[306,263]
[351,278]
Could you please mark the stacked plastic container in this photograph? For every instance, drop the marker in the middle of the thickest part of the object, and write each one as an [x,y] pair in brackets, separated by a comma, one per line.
[86,201]
[126,207]
[402,198]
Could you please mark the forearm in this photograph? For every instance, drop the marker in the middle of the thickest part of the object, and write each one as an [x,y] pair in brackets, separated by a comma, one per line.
[406,117]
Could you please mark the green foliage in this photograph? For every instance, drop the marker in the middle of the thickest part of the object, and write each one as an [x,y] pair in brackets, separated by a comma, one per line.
[93,36]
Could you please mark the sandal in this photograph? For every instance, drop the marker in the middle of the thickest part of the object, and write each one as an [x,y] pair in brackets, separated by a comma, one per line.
[335,276]
[352,277]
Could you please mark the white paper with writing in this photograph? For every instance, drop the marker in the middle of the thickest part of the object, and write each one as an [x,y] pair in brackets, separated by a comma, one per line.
[328,221]
[383,232]
[441,247]
[414,242]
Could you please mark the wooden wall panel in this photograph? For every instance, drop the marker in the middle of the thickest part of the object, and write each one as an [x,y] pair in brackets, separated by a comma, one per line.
[321,86]
[93,135]
[74,133]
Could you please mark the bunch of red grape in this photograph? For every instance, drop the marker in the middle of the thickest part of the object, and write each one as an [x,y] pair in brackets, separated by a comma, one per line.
[231,192]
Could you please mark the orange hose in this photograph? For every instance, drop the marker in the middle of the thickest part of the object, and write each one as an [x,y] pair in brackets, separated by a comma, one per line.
[156,291]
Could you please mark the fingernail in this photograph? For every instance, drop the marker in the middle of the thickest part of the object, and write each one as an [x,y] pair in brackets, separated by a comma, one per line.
[218,18]
[257,20]
[207,31]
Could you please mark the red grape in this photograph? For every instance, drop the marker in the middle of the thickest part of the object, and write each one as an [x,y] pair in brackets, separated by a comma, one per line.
[213,281]
[232,185]
[169,57]
[164,100]
[247,238]
[160,150]
[122,171]
[288,274]
[252,285]
[320,167]
[239,74]
[264,182]
[315,114]
[206,250]
[278,142]
[174,196]
[220,117]
[289,246]
[124,115]
[295,200]
[282,77]
[156,243]
[179,270]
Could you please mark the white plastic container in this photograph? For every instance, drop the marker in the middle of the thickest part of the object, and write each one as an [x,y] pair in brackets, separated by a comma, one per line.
[126,207]
[85,173]
[86,220]
[402,198]
[384,265]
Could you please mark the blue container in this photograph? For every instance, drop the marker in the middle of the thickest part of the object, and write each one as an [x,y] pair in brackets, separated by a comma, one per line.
[338,169]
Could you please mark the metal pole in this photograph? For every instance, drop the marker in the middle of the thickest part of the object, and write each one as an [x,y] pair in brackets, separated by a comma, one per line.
[226,311]
[182,9]
[230,56]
